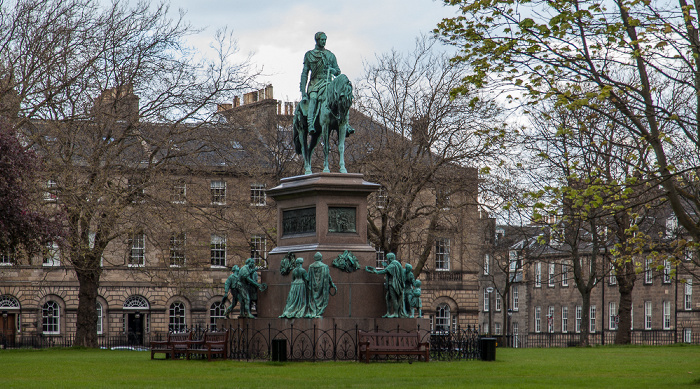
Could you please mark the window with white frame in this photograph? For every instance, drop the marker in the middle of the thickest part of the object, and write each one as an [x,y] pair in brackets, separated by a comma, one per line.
[515,334]
[487,264]
[538,322]
[177,249]
[216,311]
[258,250]
[514,291]
[550,276]
[218,192]
[498,302]
[667,271]
[579,318]
[382,197]
[667,315]
[538,274]
[178,321]
[51,318]
[564,273]
[51,193]
[442,254]
[564,319]
[380,258]
[442,318]
[592,319]
[688,295]
[7,258]
[687,335]
[550,319]
[613,276]
[496,328]
[257,195]
[648,276]
[671,226]
[486,300]
[513,260]
[454,323]
[137,251]
[52,255]
[218,250]
[100,316]
[612,315]
[647,315]
[178,194]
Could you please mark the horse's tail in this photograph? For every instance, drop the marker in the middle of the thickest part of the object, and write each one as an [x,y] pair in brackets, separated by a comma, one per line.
[298,127]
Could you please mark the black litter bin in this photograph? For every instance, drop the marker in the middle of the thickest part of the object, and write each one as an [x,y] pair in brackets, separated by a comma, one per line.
[279,350]
[488,349]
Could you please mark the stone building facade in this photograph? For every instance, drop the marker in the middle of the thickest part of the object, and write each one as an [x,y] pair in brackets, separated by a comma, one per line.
[166,271]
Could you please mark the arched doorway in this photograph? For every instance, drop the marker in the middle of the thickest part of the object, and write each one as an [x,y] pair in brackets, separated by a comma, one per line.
[9,320]
[135,319]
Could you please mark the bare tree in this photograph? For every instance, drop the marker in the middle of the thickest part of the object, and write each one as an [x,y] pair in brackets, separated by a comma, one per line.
[424,147]
[111,97]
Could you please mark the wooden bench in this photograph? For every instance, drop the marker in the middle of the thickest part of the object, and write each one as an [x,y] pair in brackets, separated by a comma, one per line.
[177,343]
[391,343]
[213,343]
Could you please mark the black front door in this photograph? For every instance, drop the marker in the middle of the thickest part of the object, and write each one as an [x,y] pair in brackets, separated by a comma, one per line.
[135,329]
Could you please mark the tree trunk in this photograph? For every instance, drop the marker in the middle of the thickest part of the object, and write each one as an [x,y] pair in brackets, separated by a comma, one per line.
[86,332]
[625,281]
[585,320]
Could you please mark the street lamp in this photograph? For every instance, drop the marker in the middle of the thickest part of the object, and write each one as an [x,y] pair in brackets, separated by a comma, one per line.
[490,290]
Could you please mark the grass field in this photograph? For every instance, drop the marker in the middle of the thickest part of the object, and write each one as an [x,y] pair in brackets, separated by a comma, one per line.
[600,367]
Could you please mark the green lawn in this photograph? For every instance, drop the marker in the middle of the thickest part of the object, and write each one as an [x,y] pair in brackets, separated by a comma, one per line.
[601,367]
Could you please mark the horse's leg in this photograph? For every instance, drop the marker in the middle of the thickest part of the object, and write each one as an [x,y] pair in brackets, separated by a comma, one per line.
[326,140]
[342,127]
[305,156]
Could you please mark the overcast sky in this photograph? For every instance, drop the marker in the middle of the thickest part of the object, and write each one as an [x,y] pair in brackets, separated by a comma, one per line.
[279,32]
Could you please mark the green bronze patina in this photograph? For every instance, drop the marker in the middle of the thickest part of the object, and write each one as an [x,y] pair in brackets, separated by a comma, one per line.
[248,288]
[231,286]
[342,219]
[395,285]
[320,284]
[346,262]
[325,105]
[297,299]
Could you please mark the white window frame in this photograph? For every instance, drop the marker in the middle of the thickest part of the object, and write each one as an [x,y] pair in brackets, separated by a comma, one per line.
[687,335]
[612,314]
[538,274]
[382,197]
[442,254]
[550,319]
[516,298]
[538,323]
[613,278]
[688,295]
[216,311]
[52,257]
[648,275]
[647,315]
[551,276]
[592,319]
[178,242]
[218,192]
[498,302]
[380,258]
[442,318]
[100,318]
[487,304]
[579,318]
[217,250]
[666,315]
[137,249]
[178,194]
[564,273]
[177,317]
[51,318]
[258,244]
[667,272]
[564,320]
[258,197]
[497,328]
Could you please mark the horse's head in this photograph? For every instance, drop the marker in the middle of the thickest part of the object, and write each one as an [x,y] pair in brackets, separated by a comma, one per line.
[340,92]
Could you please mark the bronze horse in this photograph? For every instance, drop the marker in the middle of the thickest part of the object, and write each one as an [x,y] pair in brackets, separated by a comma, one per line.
[332,115]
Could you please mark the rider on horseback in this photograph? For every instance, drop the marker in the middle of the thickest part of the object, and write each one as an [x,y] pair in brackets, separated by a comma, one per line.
[321,63]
